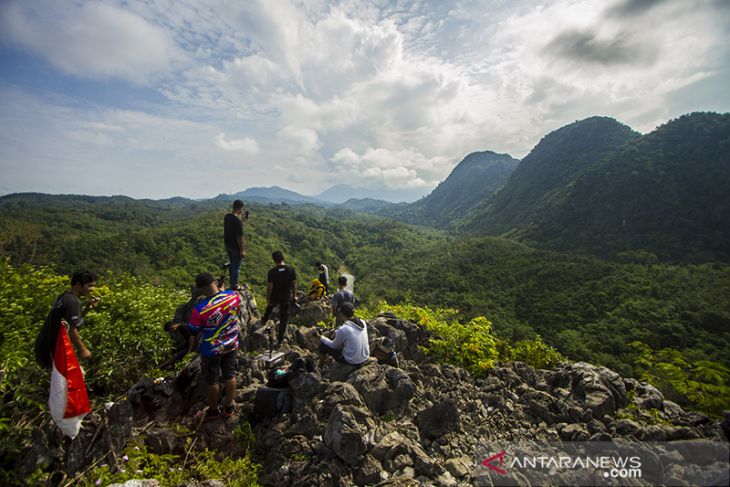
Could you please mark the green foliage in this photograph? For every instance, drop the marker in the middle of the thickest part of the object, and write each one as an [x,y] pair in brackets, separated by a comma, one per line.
[702,385]
[471,345]
[171,469]
[535,352]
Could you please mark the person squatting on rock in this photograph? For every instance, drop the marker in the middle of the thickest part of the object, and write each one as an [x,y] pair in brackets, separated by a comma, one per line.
[341,296]
[281,290]
[316,291]
[350,345]
[67,310]
[216,317]
[233,241]
[324,276]
[177,328]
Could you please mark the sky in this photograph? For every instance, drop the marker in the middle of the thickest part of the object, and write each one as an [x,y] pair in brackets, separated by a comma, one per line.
[162,98]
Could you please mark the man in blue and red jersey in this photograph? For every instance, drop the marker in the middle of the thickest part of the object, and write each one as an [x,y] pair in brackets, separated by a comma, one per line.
[216,317]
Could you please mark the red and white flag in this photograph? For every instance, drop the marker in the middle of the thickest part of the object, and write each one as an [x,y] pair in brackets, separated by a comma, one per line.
[68,400]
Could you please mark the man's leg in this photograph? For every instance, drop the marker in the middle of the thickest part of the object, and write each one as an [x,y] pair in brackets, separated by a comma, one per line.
[267,313]
[283,321]
[228,367]
[235,259]
[211,368]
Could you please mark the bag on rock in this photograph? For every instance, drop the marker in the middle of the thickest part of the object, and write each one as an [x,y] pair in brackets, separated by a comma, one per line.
[271,402]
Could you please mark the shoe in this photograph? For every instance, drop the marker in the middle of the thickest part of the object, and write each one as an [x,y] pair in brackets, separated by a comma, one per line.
[207,415]
[227,412]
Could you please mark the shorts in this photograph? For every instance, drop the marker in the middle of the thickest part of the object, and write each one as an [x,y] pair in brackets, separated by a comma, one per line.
[214,365]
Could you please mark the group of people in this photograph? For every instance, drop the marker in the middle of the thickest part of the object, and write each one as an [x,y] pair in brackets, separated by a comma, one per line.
[210,321]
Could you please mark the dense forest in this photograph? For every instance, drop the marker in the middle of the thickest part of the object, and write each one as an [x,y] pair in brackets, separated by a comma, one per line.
[589,309]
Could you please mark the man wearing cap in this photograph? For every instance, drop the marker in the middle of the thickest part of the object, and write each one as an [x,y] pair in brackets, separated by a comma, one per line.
[350,345]
[216,317]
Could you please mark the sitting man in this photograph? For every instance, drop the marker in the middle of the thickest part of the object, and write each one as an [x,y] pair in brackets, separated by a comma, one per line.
[350,345]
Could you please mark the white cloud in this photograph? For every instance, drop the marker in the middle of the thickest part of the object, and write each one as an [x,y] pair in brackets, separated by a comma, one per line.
[90,39]
[383,93]
[246,144]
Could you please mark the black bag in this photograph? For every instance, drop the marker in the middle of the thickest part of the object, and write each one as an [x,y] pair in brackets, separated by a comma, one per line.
[271,402]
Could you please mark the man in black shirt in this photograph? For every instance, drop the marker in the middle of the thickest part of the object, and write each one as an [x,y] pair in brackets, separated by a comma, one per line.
[67,311]
[233,240]
[281,291]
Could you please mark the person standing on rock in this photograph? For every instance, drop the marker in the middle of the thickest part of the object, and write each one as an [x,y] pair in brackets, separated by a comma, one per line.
[324,276]
[216,317]
[341,296]
[281,291]
[233,241]
[350,345]
[67,310]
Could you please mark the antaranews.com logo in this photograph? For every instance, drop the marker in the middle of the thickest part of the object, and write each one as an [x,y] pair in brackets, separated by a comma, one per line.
[619,462]
[616,467]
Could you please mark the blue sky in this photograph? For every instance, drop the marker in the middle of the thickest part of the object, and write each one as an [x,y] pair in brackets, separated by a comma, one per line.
[194,98]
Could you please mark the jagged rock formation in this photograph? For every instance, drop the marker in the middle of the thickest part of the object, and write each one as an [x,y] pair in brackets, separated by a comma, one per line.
[423,423]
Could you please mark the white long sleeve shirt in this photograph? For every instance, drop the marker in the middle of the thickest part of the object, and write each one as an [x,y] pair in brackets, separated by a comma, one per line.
[352,339]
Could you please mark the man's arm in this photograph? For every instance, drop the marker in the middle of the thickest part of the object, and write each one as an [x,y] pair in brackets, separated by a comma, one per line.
[240,245]
[294,291]
[269,287]
[73,333]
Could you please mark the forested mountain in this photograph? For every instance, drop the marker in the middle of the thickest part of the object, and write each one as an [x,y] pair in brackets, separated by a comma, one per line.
[663,195]
[472,181]
[543,178]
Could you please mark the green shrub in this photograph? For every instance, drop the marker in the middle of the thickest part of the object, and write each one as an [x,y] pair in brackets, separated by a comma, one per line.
[535,352]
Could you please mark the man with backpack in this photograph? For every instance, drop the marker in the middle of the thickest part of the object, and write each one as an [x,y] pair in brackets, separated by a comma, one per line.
[216,318]
[282,291]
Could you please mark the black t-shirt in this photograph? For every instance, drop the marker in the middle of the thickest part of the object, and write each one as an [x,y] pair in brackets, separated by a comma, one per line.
[281,277]
[67,307]
[232,229]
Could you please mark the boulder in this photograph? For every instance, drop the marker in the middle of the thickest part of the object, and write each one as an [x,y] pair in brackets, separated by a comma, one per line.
[312,312]
[383,388]
[345,436]
[438,419]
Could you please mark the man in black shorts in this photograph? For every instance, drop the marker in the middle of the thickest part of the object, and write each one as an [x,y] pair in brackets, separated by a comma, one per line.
[281,291]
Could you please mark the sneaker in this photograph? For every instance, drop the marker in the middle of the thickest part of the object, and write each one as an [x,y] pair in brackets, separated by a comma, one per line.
[207,415]
[228,412]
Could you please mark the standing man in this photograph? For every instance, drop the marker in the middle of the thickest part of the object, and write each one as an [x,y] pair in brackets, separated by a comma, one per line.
[233,240]
[67,310]
[282,291]
[324,276]
[342,296]
[216,317]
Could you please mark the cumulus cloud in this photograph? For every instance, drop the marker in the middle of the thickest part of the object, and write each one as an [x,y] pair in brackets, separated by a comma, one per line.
[245,144]
[90,39]
[390,94]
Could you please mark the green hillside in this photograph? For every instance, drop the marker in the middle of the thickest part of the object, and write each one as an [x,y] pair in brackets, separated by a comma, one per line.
[661,196]
[542,179]
[472,181]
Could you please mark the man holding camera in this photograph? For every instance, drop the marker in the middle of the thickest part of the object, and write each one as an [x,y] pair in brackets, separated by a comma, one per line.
[233,240]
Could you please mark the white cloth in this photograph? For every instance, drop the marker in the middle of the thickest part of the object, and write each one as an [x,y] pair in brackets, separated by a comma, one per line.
[352,339]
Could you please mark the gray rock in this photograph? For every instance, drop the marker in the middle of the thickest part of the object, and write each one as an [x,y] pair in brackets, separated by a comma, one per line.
[345,436]
[140,483]
[311,313]
[574,432]
[383,388]
[438,419]
[369,473]
[459,467]
[305,385]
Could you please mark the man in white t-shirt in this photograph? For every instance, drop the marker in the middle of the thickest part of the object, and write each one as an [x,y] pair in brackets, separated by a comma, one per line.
[350,345]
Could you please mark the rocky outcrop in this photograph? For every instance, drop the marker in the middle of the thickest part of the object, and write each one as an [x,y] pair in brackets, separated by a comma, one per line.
[419,423]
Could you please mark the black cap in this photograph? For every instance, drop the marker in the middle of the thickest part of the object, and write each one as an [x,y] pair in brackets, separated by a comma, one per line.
[204,280]
[347,309]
